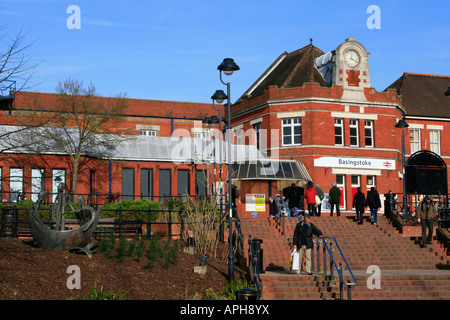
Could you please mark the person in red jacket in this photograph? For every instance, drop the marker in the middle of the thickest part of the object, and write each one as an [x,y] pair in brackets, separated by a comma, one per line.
[310,196]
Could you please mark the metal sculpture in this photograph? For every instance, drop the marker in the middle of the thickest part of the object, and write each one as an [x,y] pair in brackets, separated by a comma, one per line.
[61,238]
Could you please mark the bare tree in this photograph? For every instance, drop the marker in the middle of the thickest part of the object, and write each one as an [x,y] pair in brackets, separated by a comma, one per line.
[16,68]
[80,125]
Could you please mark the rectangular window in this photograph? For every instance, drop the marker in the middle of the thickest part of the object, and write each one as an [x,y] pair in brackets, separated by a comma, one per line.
[239,136]
[370,182]
[58,177]
[368,133]
[127,184]
[165,184]
[354,133]
[150,133]
[37,183]
[415,140]
[292,131]
[147,183]
[435,141]
[257,129]
[338,132]
[15,184]
[183,183]
[355,181]
[200,182]
[200,135]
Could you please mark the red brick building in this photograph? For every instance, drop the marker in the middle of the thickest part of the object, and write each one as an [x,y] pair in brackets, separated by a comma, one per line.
[314,114]
[319,109]
[131,172]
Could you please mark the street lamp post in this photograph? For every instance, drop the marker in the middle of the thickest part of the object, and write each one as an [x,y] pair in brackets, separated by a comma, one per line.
[219,96]
[228,66]
[402,124]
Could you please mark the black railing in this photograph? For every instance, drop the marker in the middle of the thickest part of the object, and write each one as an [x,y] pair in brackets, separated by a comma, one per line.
[113,222]
[254,265]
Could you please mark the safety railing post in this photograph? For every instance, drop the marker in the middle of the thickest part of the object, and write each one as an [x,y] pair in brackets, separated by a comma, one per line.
[320,244]
[312,256]
[331,264]
[341,284]
[170,223]
[149,222]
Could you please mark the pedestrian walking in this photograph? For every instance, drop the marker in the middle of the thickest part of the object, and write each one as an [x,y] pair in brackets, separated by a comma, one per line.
[335,199]
[321,196]
[303,242]
[373,202]
[426,211]
[273,207]
[310,196]
[359,203]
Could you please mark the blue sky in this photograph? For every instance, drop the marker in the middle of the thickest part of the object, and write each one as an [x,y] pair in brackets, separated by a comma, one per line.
[170,50]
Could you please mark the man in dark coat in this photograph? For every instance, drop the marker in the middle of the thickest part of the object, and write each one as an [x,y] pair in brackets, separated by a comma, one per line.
[359,203]
[373,202]
[335,199]
[426,211]
[303,242]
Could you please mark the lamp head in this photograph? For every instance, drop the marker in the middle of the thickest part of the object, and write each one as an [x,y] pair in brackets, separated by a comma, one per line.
[402,124]
[214,119]
[206,120]
[228,66]
[219,96]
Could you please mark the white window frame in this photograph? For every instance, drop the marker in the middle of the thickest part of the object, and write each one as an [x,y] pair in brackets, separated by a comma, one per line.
[258,135]
[147,132]
[57,173]
[368,125]
[37,182]
[435,145]
[239,136]
[291,123]
[354,124]
[339,123]
[369,185]
[15,183]
[415,143]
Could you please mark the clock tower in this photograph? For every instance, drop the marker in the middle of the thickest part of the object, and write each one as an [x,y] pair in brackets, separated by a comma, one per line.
[351,69]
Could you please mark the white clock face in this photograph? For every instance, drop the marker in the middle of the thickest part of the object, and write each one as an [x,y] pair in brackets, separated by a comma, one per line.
[351,58]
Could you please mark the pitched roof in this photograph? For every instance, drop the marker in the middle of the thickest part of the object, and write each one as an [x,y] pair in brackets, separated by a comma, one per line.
[423,94]
[290,70]
[135,107]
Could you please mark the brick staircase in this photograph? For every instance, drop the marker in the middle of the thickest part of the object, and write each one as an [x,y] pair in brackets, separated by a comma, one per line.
[407,270]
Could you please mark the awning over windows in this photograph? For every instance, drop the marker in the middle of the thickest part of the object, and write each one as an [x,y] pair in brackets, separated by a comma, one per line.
[270,170]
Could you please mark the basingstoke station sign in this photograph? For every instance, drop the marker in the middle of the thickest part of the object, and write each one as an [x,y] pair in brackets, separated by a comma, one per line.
[356,163]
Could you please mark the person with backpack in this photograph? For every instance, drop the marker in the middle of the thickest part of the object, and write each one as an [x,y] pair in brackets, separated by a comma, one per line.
[373,202]
[359,203]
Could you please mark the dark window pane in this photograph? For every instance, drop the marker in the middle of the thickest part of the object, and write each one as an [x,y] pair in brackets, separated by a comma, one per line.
[127,184]
[165,184]
[183,182]
[147,183]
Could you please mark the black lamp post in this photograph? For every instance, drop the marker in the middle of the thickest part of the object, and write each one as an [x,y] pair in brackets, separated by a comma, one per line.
[402,124]
[219,96]
[228,66]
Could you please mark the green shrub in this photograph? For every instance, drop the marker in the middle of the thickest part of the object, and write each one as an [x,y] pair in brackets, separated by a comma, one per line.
[98,294]
[131,209]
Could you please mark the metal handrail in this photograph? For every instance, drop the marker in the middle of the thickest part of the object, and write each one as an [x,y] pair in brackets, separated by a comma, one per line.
[339,270]
[253,264]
